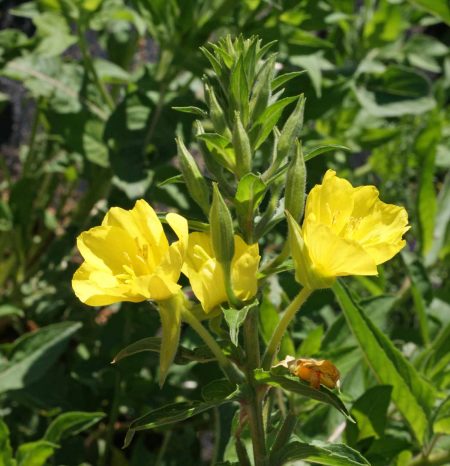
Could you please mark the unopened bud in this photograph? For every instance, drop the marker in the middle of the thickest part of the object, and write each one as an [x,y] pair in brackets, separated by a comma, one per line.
[221,225]
[294,194]
[195,182]
[242,149]
[291,131]
[216,113]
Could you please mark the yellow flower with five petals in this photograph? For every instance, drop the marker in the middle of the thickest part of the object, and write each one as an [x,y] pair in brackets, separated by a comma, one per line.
[128,257]
[346,231]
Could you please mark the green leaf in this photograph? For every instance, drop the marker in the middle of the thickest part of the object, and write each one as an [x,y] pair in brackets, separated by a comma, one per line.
[218,390]
[441,423]
[7,310]
[6,217]
[34,353]
[235,318]
[170,314]
[239,90]
[311,344]
[6,458]
[439,8]
[267,120]
[111,73]
[193,110]
[284,78]
[370,413]
[153,344]
[412,394]
[421,290]
[280,377]
[70,423]
[323,149]
[220,147]
[249,194]
[320,453]
[177,412]
[35,453]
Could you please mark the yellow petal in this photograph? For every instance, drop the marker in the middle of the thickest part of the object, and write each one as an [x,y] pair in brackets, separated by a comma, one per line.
[100,288]
[180,226]
[334,256]
[330,203]
[244,269]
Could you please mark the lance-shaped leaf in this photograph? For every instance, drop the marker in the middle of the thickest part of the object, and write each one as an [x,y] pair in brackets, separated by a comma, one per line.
[412,394]
[35,453]
[320,453]
[235,318]
[71,423]
[153,344]
[170,313]
[324,149]
[215,394]
[280,377]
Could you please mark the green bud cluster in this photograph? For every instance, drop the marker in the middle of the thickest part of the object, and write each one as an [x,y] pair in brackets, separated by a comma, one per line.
[246,153]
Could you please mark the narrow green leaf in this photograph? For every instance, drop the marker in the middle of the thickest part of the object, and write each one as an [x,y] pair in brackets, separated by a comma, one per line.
[320,453]
[439,8]
[239,90]
[284,78]
[70,423]
[177,412]
[412,394]
[441,423]
[172,180]
[323,149]
[249,194]
[201,354]
[7,310]
[193,110]
[33,354]
[280,377]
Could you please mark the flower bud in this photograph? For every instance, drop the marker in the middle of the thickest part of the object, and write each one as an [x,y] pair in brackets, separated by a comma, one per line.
[291,131]
[195,182]
[216,113]
[242,149]
[294,195]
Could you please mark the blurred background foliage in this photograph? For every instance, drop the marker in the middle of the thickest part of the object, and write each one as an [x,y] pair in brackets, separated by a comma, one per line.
[87,90]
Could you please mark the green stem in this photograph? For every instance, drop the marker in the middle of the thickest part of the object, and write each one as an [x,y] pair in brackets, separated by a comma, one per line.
[282,326]
[228,369]
[436,459]
[254,401]
[163,449]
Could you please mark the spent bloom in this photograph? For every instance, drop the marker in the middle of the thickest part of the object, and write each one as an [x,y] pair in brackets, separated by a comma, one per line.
[128,257]
[346,231]
[205,272]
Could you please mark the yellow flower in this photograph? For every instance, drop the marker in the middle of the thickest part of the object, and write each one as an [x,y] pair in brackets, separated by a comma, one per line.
[346,231]
[206,276]
[128,257]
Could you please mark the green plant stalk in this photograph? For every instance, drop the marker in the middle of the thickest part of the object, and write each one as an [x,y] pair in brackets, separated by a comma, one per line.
[436,459]
[254,401]
[282,326]
[225,364]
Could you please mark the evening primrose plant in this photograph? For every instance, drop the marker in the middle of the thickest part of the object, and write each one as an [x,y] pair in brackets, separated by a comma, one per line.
[210,273]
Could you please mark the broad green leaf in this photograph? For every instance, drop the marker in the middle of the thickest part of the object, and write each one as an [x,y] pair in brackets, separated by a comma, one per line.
[177,412]
[370,413]
[280,377]
[439,8]
[111,73]
[412,394]
[6,458]
[35,453]
[153,344]
[170,314]
[323,149]
[34,353]
[70,423]
[218,390]
[235,318]
[320,453]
